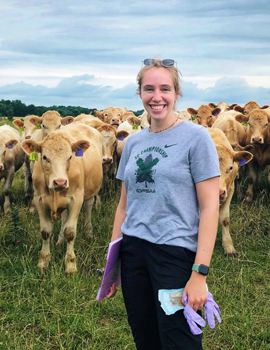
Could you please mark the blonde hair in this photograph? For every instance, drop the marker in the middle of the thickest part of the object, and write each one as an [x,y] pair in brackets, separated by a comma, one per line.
[175,74]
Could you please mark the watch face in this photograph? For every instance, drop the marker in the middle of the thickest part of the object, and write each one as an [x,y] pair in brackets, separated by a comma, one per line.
[203,269]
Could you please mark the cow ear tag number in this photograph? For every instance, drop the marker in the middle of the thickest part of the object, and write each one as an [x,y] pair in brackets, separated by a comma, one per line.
[33,155]
[79,152]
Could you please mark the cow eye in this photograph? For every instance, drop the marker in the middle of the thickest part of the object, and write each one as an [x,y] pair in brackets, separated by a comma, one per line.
[210,116]
[231,168]
[105,115]
[70,157]
[45,158]
[59,126]
[266,124]
[4,152]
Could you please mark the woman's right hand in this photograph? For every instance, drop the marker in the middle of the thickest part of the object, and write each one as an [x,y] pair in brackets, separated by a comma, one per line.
[112,291]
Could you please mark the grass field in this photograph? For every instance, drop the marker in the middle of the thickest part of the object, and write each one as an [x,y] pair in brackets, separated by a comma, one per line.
[51,311]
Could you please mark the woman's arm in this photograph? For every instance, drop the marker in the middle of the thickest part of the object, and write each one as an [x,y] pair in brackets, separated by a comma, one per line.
[119,218]
[208,197]
[120,214]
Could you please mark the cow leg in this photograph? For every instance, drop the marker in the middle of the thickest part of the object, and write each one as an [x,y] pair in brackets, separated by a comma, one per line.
[88,205]
[46,227]
[64,217]
[28,184]
[6,189]
[252,176]
[69,231]
[224,218]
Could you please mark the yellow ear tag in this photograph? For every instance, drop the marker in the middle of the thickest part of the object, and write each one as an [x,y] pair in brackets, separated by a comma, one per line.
[244,123]
[33,156]
[194,116]
[21,128]
[134,126]
[38,126]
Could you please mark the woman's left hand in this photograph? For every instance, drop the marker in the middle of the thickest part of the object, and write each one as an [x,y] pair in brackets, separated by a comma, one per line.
[196,291]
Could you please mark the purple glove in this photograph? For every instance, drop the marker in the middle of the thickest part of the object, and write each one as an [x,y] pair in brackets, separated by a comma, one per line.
[211,310]
[193,318]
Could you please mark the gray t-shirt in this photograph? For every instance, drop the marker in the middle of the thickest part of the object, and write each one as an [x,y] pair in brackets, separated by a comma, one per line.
[160,171]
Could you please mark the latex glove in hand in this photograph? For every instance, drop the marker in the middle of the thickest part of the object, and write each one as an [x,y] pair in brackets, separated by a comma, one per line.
[193,319]
[211,310]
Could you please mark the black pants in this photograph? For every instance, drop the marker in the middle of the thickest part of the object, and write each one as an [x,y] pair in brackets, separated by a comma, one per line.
[146,268]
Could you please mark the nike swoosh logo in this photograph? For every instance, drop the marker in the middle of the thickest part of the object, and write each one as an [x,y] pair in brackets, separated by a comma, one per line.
[174,144]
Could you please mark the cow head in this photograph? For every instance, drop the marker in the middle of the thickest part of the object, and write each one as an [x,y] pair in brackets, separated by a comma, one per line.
[5,152]
[56,153]
[26,125]
[257,125]
[205,115]
[50,121]
[111,115]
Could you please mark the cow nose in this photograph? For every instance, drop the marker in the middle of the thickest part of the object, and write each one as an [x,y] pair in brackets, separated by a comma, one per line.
[257,139]
[115,121]
[59,183]
[1,167]
[107,160]
[27,137]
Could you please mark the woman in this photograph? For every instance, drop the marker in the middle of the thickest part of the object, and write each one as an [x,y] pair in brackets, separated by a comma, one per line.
[167,213]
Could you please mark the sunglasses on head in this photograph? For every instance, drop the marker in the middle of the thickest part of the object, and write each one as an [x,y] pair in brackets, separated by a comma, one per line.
[168,62]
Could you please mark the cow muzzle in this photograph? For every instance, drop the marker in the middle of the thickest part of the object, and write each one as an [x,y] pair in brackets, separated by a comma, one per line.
[258,140]
[2,167]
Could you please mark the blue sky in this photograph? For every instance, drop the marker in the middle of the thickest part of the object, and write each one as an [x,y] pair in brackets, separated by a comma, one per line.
[84,54]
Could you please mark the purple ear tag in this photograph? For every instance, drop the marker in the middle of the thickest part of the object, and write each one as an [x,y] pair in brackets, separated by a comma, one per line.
[121,138]
[79,152]
[242,162]
[10,146]
[67,122]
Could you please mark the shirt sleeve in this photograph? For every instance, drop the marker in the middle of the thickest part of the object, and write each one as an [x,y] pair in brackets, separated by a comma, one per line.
[203,157]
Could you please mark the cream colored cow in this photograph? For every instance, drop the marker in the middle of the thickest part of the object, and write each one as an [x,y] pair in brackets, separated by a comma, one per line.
[28,129]
[229,162]
[67,173]
[257,135]
[11,159]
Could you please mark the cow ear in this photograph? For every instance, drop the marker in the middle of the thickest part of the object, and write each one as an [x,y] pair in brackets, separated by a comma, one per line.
[80,145]
[241,118]
[216,111]
[11,143]
[67,120]
[18,123]
[233,105]
[242,157]
[30,146]
[238,109]
[134,120]
[35,120]
[99,115]
[264,107]
[121,135]
[212,105]
[192,111]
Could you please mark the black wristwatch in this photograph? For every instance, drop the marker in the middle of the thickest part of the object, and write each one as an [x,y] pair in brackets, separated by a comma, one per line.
[200,268]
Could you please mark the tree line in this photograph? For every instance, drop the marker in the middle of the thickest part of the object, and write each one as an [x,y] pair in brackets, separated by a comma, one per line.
[17,108]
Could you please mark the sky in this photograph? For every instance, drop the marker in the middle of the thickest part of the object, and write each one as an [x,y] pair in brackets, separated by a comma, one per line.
[88,53]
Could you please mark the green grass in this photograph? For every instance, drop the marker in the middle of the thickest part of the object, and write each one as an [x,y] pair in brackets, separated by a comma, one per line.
[51,311]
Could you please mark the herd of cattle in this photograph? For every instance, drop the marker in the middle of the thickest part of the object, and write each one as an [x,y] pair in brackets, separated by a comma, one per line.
[66,161]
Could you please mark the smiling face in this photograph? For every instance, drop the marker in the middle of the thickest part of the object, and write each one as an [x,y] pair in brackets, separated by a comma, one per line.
[158,95]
